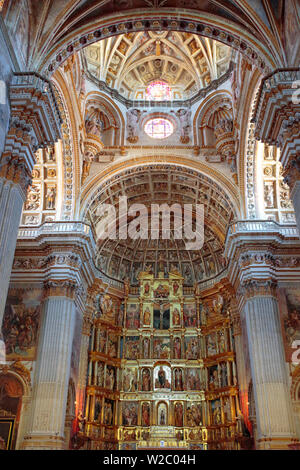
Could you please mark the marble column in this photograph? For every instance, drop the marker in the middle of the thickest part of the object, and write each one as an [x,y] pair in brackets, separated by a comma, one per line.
[12,196]
[275,424]
[46,424]
[34,122]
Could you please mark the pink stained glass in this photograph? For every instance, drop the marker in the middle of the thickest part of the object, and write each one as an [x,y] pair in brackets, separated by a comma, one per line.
[158,91]
[159,128]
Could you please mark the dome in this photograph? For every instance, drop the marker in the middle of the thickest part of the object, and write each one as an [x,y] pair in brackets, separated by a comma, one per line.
[130,63]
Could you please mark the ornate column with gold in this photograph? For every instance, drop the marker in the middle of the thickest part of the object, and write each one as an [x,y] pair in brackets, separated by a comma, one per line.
[34,122]
[275,424]
[277,118]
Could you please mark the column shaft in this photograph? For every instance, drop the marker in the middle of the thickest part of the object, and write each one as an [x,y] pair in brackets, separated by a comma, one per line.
[273,406]
[47,422]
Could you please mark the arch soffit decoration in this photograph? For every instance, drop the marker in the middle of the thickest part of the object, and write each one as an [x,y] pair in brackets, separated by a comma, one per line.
[118,168]
[204,24]
[59,81]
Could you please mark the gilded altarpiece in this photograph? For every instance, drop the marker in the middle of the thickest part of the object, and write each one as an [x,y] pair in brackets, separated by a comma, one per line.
[169,380]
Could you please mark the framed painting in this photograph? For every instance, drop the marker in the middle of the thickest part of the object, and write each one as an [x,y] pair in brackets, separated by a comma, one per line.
[6,433]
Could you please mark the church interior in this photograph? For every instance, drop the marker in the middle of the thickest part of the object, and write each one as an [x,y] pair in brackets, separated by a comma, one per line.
[141,342]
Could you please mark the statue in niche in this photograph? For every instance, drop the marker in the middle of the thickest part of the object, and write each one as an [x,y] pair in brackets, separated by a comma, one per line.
[269,195]
[184,116]
[178,380]
[178,412]
[94,124]
[176,317]
[146,348]
[50,154]
[177,348]
[147,317]
[162,417]
[145,414]
[108,412]
[224,375]
[146,380]
[133,118]
[50,198]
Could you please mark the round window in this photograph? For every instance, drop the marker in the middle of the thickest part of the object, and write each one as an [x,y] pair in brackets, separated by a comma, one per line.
[159,128]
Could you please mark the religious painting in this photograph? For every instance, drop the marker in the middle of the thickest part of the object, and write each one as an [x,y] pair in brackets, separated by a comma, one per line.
[161,348]
[102,341]
[224,374]
[130,379]
[193,379]
[177,348]
[21,31]
[147,315]
[176,316]
[112,345]
[146,349]
[108,412]
[20,331]
[146,414]
[178,379]
[132,347]
[191,347]
[6,433]
[162,414]
[211,342]
[216,417]
[176,288]
[129,413]
[190,315]
[161,292]
[111,378]
[213,377]
[161,316]
[187,273]
[146,380]
[291,319]
[147,289]
[100,374]
[97,409]
[133,316]
[178,414]
[194,414]
[75,356]
[162,377]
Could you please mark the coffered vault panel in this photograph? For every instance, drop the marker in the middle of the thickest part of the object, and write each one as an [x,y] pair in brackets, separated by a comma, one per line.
[151,184]
[129,62]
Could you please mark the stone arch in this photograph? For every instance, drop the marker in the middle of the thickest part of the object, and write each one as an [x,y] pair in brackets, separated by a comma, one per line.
[227,32]
[113,131]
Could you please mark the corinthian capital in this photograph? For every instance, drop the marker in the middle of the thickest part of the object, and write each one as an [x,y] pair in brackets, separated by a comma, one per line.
[35,122]
[258,288]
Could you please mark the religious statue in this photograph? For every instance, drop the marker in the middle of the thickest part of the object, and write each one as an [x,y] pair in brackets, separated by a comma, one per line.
[147,317]
[176,317]
[50,198]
